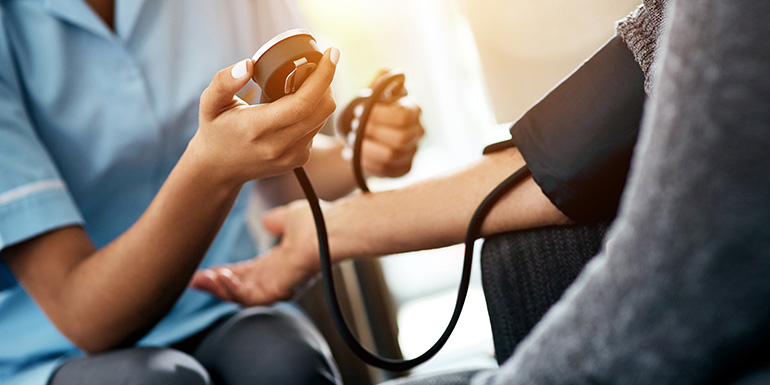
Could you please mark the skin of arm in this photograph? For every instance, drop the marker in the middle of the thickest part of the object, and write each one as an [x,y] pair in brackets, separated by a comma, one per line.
[109,297]
[430,214]
[392,134]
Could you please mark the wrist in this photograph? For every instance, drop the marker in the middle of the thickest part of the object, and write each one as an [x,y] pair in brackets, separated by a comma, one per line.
[199,162]
[346,221]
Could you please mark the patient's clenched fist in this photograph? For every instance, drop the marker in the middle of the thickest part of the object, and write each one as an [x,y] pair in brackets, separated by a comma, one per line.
[392,135]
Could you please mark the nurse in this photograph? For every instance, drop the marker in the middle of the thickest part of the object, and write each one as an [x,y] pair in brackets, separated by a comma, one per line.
[124,167]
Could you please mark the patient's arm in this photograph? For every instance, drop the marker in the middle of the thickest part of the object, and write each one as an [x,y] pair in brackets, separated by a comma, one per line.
[433,213]
[430,214]
[577,141]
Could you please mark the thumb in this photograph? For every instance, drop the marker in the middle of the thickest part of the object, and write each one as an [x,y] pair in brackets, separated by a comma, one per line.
[274,220]
[220,94]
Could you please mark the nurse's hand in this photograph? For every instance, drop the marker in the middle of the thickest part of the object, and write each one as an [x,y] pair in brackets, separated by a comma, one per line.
[275,275]
[237,142]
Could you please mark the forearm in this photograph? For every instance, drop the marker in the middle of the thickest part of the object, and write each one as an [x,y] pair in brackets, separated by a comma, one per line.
[113,295]
[437,212]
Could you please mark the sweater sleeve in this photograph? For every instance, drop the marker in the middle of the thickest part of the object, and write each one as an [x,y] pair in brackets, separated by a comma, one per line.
[578,139]
[640,31]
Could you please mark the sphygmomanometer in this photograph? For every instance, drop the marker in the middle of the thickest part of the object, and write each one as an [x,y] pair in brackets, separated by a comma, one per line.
[592,100]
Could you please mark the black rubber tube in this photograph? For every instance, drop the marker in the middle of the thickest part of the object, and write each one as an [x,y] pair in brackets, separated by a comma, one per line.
[473,233]
[368,103]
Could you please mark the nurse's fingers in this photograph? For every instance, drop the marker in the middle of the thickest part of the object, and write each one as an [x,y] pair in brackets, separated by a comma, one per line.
[299,105]
[285,132]
[220,94]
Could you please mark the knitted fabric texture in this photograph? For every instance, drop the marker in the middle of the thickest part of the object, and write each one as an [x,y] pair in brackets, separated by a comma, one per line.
[640,30]
[525,272]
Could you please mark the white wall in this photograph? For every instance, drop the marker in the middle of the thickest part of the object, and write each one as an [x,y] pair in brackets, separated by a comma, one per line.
[527,46]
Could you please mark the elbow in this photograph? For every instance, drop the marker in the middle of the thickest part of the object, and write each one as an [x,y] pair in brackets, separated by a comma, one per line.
[94,337]
[90,341]
[91,347]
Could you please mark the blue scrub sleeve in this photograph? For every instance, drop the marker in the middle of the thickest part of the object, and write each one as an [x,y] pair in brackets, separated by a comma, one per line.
[33,197]
[578,139]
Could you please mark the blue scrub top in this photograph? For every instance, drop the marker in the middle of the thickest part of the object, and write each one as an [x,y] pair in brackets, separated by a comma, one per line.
[92,122]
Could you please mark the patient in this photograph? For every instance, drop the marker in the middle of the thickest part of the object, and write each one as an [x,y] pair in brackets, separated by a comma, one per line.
[678,294]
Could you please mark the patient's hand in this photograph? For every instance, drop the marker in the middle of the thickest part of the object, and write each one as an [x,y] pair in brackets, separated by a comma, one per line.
[274,275]
[392,134]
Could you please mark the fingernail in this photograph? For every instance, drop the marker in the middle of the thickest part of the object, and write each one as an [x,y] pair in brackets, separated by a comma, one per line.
[334,55]
[240,69]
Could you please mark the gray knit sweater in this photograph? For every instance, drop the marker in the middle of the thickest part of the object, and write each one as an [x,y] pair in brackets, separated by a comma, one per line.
[641,30]
[679,293]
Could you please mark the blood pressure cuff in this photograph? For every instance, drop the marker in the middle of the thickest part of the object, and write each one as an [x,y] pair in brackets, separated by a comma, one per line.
[578,139]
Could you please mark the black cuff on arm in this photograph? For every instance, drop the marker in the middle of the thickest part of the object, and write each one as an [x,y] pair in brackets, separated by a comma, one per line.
[578,139]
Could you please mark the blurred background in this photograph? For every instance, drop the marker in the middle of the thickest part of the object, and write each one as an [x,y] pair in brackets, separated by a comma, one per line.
[473,66]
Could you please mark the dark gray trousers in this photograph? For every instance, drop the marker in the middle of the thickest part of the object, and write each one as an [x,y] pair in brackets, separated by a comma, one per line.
[680,294]
[265,345]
